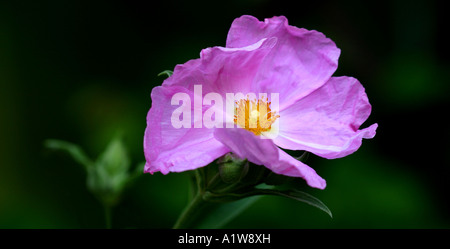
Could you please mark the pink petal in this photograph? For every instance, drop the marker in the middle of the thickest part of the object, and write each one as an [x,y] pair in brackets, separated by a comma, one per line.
[246,145]
[287,165]
[223,70]
[168,149]
[264,152]
[326,122]
[299,63]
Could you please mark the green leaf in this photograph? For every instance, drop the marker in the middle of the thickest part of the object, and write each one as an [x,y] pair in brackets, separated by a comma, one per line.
[296,195]
[204,214]
[219,214]
[73,150]
[264,189]
[166,72]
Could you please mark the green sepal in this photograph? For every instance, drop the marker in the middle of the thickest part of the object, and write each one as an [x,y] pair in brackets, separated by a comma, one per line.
[303,157]
[166,72]
[75,151]
[232,169]
[110,175]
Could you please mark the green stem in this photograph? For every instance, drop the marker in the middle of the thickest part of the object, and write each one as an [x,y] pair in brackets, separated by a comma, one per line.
[190,214]
[108,217]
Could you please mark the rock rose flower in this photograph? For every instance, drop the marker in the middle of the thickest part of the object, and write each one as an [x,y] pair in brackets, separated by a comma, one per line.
[316,112]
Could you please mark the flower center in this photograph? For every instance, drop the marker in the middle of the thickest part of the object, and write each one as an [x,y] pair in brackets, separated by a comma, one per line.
[254,115]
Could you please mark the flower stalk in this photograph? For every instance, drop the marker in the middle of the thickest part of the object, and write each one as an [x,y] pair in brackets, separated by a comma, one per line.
[228,186]
[191,212]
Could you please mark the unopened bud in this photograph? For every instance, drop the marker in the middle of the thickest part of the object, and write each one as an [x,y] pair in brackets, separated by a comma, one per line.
[232,169]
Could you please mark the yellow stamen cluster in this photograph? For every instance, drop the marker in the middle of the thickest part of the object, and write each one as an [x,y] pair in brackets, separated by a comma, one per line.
[254,115]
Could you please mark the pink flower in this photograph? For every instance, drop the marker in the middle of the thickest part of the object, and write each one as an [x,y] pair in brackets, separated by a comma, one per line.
[317,113]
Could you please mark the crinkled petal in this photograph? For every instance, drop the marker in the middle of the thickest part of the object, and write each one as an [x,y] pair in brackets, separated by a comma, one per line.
[168,149]
[223,70]
[264,152]
[300,62]
[287,165]
[246,145]
[326,122]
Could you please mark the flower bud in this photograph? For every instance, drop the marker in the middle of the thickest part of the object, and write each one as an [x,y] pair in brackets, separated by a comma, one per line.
[110,173]
[232,169]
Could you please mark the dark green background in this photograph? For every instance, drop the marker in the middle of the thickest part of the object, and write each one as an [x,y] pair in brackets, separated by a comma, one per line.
[82,71]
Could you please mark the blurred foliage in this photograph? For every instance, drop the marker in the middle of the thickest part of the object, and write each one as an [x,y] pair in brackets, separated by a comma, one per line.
[81,71]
